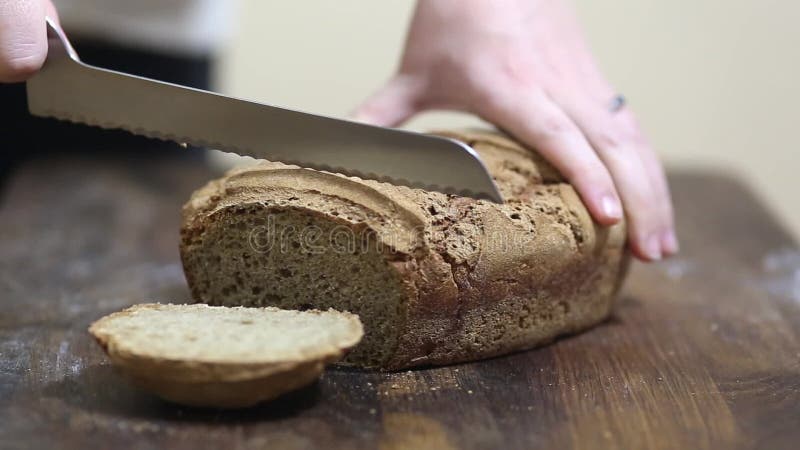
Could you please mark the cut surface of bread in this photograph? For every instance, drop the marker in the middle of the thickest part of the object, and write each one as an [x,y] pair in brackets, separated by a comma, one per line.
[435,278]
[202,355]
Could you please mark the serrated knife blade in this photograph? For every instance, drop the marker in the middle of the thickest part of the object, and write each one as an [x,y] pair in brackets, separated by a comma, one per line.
[68,89]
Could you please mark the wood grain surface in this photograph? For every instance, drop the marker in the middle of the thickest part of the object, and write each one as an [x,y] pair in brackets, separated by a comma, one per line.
[703,350]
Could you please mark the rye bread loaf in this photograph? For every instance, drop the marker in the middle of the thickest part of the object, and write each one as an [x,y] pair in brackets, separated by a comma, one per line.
[199,355]
[435,279]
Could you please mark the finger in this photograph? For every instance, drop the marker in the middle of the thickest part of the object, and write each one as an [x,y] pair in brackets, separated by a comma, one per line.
[23,39]
[50,11]
[534,119]
[669,241]
[393,104]
[636,174]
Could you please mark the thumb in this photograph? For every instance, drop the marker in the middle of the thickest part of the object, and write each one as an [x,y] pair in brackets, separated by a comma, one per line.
[23,38]
[392,104]
[50,11]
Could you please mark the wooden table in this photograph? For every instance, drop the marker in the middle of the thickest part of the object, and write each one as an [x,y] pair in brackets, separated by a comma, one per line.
[702,352]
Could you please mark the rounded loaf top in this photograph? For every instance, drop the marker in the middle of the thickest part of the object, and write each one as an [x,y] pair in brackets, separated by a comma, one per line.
[435,278]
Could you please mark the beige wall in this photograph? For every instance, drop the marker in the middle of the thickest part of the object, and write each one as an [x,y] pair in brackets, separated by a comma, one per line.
[715,82]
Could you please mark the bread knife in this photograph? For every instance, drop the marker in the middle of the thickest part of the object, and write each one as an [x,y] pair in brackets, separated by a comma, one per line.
[68,89]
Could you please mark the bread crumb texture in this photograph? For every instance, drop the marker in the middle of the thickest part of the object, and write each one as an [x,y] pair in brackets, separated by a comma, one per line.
[435,278]
[227,335]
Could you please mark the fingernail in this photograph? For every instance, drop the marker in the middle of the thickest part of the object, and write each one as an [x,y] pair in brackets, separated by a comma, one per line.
[611,207]
[670,242]
[652,247]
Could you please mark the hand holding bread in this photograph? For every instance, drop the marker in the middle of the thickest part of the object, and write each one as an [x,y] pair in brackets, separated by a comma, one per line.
[524,66]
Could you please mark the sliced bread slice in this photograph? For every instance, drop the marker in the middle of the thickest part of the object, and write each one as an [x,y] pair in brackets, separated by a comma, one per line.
[223,357]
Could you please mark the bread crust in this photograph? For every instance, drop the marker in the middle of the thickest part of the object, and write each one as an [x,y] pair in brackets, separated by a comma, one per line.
[481,279]
[232,394]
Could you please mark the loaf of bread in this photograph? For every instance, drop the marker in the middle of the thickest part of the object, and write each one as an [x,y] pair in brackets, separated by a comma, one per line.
[199,355]
[435,278]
